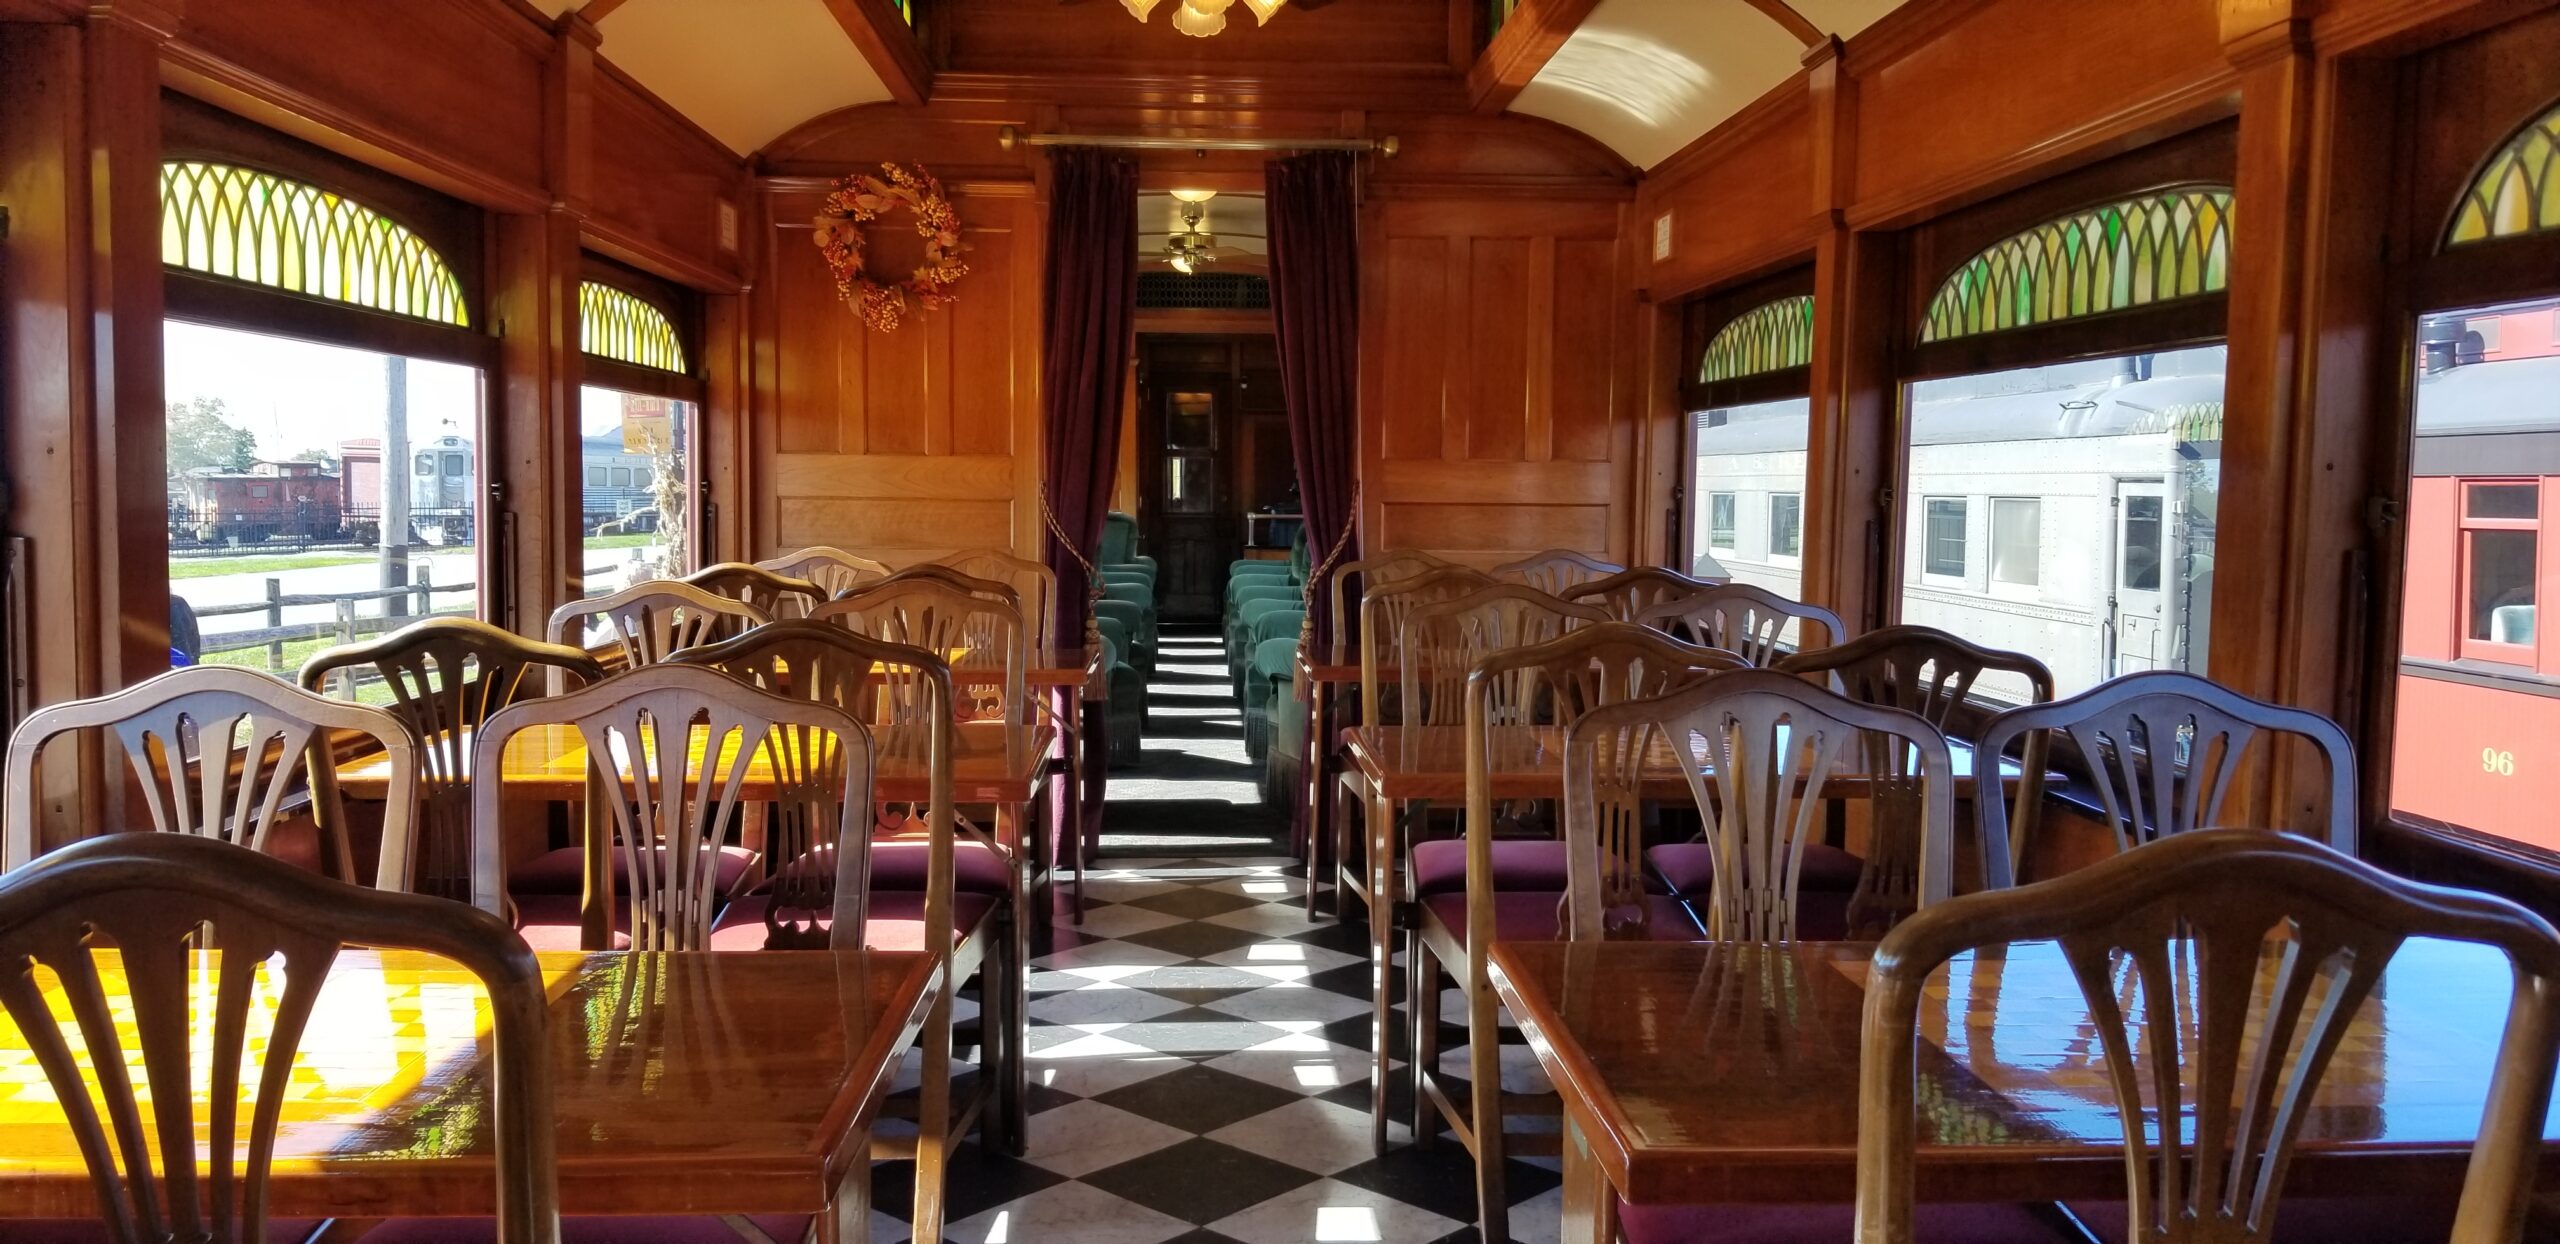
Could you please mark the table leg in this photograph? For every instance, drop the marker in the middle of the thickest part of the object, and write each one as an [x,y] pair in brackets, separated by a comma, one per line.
[1013,1085]
[1590,1204]
[933,1116]
[1096,762]
[847,1216]
[1312,802]
[1068,834]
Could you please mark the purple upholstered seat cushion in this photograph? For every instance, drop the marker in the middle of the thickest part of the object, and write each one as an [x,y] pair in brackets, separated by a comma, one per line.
[1440,866]
[666,1230]
[93,1231]
[565,871]
[2415,1218]
[1520,916]
[895,920]
[1689,868]
[975,868]
[1822,1224]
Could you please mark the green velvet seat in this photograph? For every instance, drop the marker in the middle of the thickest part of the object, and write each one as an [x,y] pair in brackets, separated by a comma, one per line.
[1144,597]
[1273,660]
[1130,618]
[1126,705]
[1241,634]
[1284,723]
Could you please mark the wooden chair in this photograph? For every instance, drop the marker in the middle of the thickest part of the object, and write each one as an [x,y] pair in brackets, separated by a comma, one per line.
[653,618]
[151,896]
[2110,730]
[832,569]
[2253,952]
[668,750]
[893,687]
[1931,673]
[777,594]
[931,612]
[1508,692]
[217,751]
[1556,571]
[1630,592]
[1035,589]
[1371,574]
[1743,618]
[1443,641]
[446,676]
[1758,749]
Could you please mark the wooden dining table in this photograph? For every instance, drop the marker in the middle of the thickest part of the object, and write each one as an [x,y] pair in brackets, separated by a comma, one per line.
[1704,1072]
[682,1084]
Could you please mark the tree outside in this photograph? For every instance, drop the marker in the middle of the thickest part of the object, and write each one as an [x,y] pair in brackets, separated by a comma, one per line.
[202,436]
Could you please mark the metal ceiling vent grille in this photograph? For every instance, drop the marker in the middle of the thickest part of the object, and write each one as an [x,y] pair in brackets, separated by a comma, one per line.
[1204,291]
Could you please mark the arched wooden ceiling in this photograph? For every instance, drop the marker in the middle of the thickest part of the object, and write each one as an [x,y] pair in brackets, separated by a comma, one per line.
[1643,77]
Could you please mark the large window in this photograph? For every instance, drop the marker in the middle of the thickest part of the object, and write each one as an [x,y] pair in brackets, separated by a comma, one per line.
[292,525]
[636,429]
[2477,742]
[1749,352]
[2100,480]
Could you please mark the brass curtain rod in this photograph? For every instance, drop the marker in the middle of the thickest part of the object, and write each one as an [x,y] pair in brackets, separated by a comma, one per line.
[1009,138]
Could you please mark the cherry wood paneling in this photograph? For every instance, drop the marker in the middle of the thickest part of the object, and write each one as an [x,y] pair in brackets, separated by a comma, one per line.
[1405,37]
[659,185]
[449,94]
[1496,386]
[1741,198]
[908,443]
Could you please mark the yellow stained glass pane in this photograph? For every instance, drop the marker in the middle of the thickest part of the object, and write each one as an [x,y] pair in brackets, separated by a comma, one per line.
[245,225]
[615,325]
[2516,191]
[2156,247]
[1773,336]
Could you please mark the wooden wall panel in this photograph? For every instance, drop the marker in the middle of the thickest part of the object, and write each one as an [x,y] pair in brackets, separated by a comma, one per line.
[1495,373]
[902,444]
[451,94]
[659,186]
[1740,198]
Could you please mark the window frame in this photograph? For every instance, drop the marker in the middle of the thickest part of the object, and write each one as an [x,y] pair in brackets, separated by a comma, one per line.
[1732,499]
[1962,575]
[1794,557]
[2525,656]
[2032,589]
[1701,318]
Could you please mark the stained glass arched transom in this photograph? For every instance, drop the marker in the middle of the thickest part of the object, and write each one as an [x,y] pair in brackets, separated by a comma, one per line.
[2517,191]
[257,227]
[615,325]
[2152,248]
[1773,336]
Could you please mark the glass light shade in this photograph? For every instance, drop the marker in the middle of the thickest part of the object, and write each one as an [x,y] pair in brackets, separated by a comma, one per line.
[1191,21]
[1263,9]
[1140,8]
[1209,6]
[1195,196]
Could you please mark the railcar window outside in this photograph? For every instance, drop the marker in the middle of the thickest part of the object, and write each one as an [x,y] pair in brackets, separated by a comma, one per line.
[1748,478]
[2095,484]
[2477,741]
[638,501]
[287,534]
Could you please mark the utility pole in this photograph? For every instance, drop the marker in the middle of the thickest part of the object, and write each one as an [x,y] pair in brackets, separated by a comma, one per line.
[395,483]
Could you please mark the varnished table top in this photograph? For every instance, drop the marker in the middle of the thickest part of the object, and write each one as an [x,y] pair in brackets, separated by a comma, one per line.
[699,1083]
[1527,762]
[987,766]
[1703,1072]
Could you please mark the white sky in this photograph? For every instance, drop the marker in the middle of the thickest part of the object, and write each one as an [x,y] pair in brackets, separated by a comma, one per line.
[297,395]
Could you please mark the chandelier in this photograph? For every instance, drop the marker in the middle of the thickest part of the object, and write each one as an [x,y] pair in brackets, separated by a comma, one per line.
[1188,251]
[1203,18]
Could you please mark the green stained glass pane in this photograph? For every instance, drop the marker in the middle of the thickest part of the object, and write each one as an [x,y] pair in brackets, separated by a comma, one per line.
[2517,189]
[257,227]
[1770,337]
[2157,247]
[615,325]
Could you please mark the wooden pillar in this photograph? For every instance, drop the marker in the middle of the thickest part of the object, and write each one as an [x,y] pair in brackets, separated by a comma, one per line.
[1851,459]
[537,495]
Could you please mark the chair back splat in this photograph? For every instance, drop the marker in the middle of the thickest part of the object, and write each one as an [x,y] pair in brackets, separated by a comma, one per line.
[2222,969]
[834,571]
[1743,618]
[668,753]
[1759,750]
[216,751]
[777,594]
[1035,589]
[653,618]
[1444,639]
[1556,571]
[1353,581]
[128,915]
[1630,592]
[2162,748]
[1383,610]
[446,676]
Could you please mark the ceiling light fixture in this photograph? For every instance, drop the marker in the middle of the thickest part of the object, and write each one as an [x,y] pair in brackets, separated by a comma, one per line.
[1203,18]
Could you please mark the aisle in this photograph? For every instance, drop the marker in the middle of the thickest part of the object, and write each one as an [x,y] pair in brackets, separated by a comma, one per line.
[1199,1048]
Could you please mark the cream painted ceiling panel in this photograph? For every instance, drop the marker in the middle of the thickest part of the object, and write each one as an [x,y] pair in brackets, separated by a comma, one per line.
[1647,77]
[746,70]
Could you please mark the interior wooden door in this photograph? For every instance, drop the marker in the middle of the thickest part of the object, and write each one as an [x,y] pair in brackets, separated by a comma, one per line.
[1187,398]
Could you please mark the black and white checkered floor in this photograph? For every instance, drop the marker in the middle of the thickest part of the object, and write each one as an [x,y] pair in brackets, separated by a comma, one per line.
[1199,1054]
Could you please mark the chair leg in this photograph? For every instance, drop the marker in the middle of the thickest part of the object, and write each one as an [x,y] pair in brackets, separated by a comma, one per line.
[1343,802]
[1382,920]
[1422,1002]
[1484,1085]
[933,1116]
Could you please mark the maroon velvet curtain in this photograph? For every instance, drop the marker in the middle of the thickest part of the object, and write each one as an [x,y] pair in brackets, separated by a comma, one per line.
[1315,306]
[1089,310]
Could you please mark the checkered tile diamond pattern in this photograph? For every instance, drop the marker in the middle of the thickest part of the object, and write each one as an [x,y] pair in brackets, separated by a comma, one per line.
[1200,1076]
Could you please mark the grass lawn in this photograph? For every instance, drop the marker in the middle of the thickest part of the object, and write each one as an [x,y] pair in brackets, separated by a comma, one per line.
[209,567]
[635,540]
